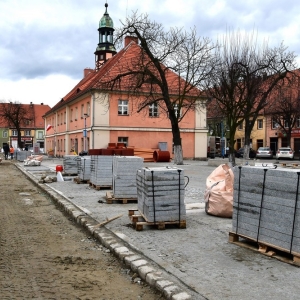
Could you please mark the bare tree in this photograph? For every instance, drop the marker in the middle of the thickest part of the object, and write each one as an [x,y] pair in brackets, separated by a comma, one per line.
[245,75]
[168,68]
[16,116]
[284,108]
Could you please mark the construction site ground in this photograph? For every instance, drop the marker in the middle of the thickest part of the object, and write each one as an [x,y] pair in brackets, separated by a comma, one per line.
[199,260]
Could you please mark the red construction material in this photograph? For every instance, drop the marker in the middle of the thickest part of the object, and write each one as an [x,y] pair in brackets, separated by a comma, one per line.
[128,152]
[161,156]
[95,151]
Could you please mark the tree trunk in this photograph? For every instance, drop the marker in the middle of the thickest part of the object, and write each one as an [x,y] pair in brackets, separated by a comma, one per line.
[178,155]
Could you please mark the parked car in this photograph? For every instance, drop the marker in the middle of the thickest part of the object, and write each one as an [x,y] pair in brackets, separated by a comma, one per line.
[240,153]
[264,152]
[285,152]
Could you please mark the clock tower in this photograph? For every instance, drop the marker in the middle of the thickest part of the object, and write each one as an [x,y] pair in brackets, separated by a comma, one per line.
[105,48]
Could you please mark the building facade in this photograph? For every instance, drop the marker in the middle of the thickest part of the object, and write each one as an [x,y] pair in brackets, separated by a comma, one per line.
[91,117]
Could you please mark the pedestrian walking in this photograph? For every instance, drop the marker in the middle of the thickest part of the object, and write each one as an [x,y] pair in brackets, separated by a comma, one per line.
[6,150]
[11,151]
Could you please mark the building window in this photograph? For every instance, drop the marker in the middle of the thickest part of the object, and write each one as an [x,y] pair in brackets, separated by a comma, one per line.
[65,119]
[27,133]
[260,124]
[153,110]
[298,122]
[82,111]
[123,139]
[240,127]
[123,107]
[76,113]
[14,133]
[88,109]
[274,124]
[40,135]
[61,118]
[286,124]
[71,115]
[5,134]
[260,143]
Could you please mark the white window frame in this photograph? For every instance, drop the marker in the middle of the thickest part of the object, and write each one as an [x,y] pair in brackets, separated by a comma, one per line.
[27,132]
[260,124]
[274,125]
[123,107]
[123,139]
[4,133]
[14,132]
[153,110]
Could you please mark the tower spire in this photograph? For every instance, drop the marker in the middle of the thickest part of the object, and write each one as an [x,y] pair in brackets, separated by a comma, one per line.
[105,48]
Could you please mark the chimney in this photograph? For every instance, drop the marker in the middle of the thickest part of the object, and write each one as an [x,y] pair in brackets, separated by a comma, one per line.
[86,72]
[129,39]
[42,103]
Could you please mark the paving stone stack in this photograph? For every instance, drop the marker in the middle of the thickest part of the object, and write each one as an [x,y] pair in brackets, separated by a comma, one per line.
[266,206]
[22,155]
[124,176]
[161,194]
[84,168]
[101,170]
[71,163]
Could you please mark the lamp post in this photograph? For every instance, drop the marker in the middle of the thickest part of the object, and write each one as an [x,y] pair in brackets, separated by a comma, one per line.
[84,133]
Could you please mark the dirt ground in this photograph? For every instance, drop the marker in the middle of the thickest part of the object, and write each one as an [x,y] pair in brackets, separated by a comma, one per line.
[45,255]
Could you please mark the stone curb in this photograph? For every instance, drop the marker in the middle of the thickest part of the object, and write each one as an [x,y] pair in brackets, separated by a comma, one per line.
[138,264]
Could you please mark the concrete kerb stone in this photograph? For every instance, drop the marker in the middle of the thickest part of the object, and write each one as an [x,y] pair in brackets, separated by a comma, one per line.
[162,284]
[130,258]
[181,296]
[169,291]
[122,252]
[137,263]
[152,278]
[144,271]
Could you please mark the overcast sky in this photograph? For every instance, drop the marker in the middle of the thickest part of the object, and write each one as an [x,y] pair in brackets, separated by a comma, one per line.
[45,45]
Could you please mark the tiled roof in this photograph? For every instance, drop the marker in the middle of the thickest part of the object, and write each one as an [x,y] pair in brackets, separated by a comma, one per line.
[34,111]
[119,63]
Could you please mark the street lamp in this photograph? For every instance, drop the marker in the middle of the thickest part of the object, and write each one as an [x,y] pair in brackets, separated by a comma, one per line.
[84,132]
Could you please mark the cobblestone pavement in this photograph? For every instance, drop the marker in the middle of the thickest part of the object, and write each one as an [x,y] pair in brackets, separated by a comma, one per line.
[199,259]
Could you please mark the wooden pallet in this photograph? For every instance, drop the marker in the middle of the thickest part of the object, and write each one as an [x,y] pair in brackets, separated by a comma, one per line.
[110,199]
[139,220]
[100,187]
[69,174]
[78,180]
[265,248]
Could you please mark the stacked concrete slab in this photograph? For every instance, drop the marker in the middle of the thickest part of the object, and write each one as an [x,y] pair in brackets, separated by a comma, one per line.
[266,206]
[84,168]
[22,155]
[161,194]
[124,176]
[101,170]
[70,163]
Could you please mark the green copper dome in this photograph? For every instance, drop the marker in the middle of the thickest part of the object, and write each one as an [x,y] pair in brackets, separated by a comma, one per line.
[106,20]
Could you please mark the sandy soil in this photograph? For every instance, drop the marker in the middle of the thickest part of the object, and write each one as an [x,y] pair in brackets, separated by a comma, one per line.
[45,255]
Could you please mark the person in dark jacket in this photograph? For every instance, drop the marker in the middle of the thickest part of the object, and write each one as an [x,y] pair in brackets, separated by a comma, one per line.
[6,150]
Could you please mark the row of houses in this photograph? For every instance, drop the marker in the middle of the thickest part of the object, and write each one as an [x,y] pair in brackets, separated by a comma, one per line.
[28,118]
